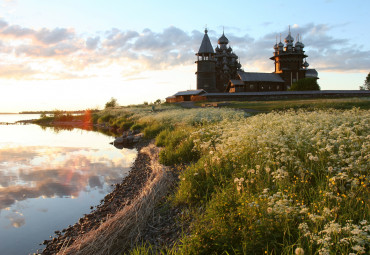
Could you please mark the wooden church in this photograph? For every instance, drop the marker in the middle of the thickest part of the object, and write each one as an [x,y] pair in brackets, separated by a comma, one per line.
[219,70]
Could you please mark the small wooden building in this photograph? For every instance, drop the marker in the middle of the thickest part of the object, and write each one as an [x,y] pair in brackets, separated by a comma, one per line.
[187,95]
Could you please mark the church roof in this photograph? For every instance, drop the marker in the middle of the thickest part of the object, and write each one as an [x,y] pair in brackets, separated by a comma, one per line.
[249,76]
[311,73]
[206,46]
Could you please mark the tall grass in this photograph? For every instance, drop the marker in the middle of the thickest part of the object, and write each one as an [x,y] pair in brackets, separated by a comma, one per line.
[281,182]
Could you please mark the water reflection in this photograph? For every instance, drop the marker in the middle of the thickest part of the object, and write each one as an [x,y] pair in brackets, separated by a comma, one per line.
[48,180]
[31,172]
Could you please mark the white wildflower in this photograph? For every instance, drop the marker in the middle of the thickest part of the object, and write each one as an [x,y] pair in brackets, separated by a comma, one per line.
[299,251]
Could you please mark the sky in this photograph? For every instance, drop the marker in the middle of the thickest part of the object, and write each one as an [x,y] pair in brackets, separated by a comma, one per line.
[77,54]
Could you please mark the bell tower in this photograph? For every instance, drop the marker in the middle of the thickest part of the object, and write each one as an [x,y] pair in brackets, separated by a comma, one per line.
[206,65]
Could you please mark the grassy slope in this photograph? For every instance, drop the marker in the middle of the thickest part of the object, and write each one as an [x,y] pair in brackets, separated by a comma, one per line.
[273,183]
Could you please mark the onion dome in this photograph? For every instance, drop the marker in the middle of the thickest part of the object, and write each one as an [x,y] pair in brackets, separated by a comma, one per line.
[229,49]
[298,46]
[223,39]
[276,47]
[289,39]
[305,64]
[281,46]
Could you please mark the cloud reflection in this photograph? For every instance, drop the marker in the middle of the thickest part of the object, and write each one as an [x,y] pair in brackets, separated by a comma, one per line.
[16,219]
[32,172]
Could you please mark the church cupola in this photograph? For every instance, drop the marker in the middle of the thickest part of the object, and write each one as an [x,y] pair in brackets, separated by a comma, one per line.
[223,40]
[305,64]
[298,45]
[227,65]
[289,60]
[206,65]
[276,47]
[289,42]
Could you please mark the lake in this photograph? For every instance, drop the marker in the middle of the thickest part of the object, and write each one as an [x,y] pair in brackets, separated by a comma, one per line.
[49,179]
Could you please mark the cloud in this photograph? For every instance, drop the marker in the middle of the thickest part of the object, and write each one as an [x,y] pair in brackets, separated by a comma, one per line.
[150,50]
[92,43]
[39,51]
[3,23]
[16,71]
[56,35]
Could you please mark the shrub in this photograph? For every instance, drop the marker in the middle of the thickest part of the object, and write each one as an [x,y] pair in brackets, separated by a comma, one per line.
[137,126]
[305,84]
[111,103]
[152,130]
[105,118]
[178,153]
[94,118]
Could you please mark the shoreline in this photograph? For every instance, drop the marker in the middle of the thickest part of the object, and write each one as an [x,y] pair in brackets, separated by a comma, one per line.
[119,197]
[125,212]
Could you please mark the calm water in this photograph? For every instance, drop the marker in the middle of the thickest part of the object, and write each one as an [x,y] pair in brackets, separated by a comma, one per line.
[48,180]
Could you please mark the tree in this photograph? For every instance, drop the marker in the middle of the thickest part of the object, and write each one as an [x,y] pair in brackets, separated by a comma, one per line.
[111,103]
[158,102]
[305,84]
[366,85]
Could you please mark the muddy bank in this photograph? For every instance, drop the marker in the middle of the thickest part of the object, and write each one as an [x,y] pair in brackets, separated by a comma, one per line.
[122,217]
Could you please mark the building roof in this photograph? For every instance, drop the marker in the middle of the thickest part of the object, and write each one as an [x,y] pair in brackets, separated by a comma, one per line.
[237,82]
[270,77]
[206,46]
[190,92]
[311,73]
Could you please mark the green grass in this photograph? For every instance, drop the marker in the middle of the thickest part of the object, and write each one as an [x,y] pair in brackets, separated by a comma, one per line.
[335,103]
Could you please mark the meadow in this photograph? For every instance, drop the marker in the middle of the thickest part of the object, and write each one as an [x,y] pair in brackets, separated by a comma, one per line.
[309,104]
[293,181]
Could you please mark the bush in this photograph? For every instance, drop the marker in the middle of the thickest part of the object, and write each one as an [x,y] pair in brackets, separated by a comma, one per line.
[178,153]
[94,118]
[111,103]
[105,118]
[152,130]
[137,126]
[305,84]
